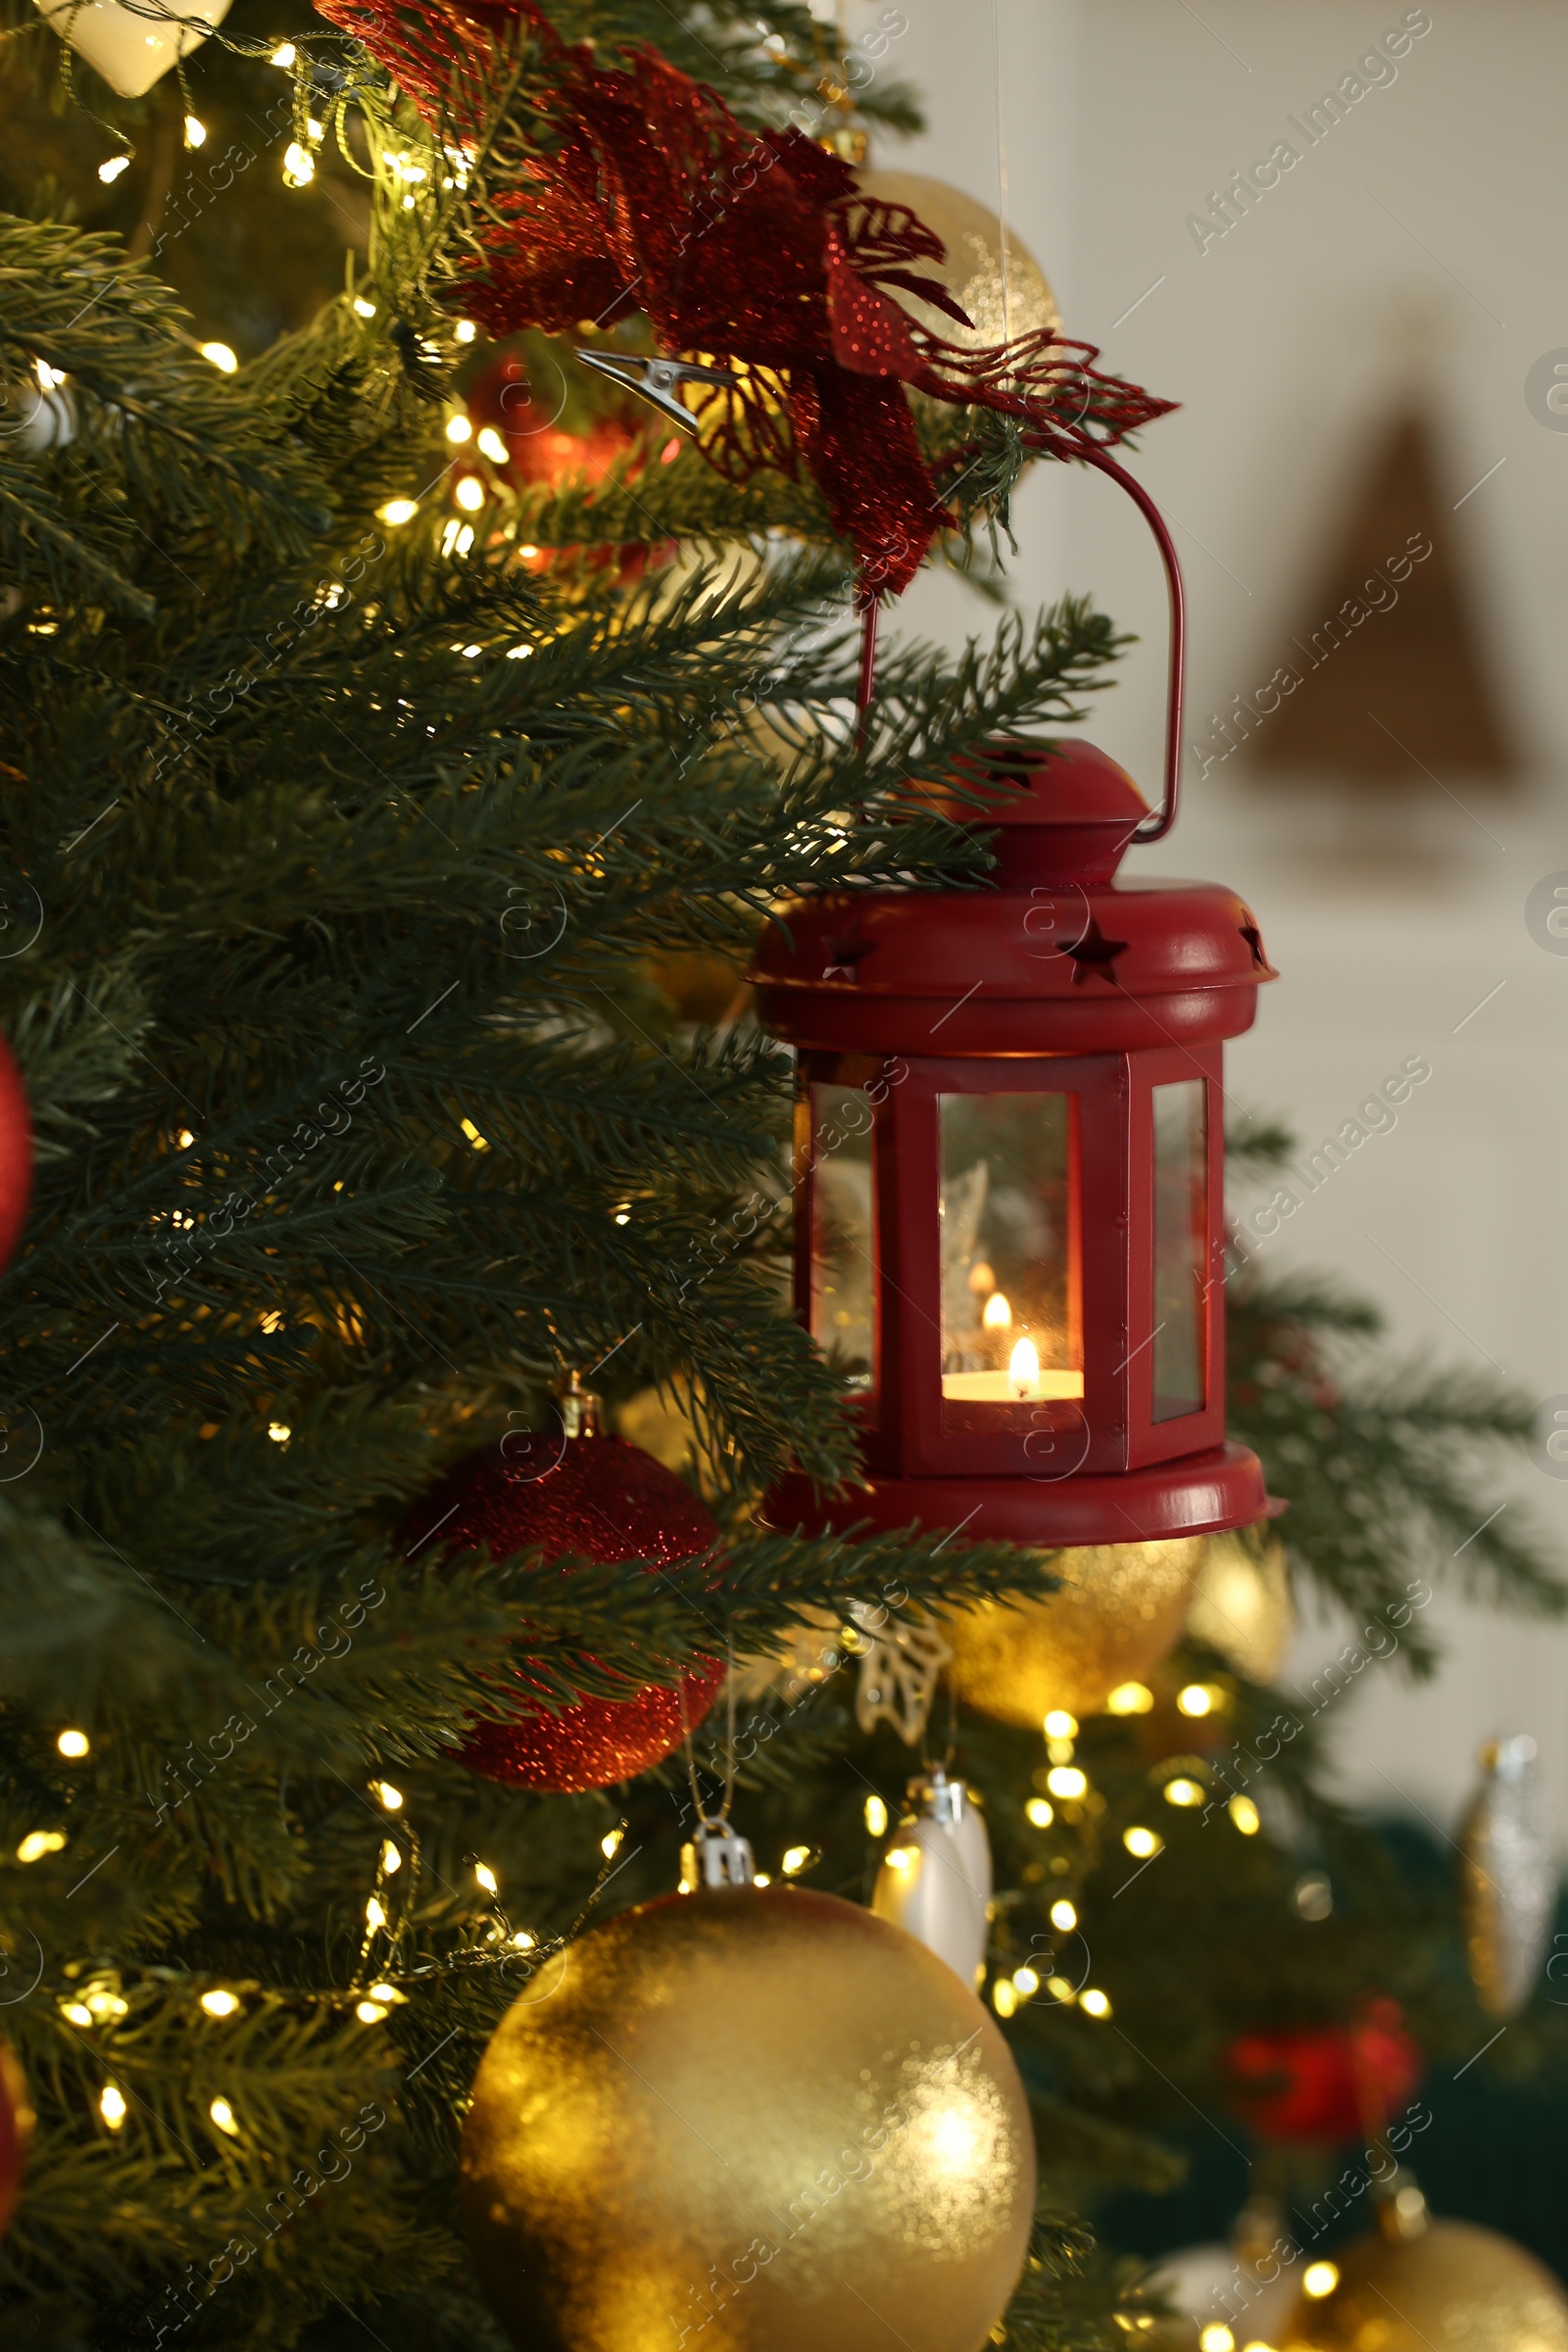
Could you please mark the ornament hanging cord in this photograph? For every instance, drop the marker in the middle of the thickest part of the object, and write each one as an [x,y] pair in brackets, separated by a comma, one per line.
[704,1819]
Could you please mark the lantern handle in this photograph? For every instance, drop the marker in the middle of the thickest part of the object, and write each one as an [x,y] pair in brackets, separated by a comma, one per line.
[1161,823]
[1154,829]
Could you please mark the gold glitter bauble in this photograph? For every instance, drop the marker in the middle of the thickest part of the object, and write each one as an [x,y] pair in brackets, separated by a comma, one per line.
[1241,1606]
[1454,2288]
[1120,1611]
[756,2112]
[972,270]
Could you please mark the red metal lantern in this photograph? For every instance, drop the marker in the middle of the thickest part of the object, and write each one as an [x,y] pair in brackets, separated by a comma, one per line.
[1009,1169]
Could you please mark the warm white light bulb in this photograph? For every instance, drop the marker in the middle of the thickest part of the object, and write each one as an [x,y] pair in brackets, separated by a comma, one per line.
[795,1860]
[997,1314]
[112,2106]
[222,2115]
[469,493]
[365,310]
[494,447]
[459,429]
[195,131]
[391,1797]
[399,510]
[73,1743]
[218,2003]
[284,55]
[220,356]
[1064,1916]
[465,331]
[108,172]
[1060,1725]
[299,166]
[1023,1368]
[486,1877]
[876,1816]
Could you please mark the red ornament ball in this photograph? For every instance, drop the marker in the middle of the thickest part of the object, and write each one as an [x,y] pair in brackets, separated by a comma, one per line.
[1327,2083]
[606,1501]
[15,2130]
[16,1154]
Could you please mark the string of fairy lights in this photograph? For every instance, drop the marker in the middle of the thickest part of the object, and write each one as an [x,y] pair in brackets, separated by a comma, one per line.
[390,1966]
[92,2000]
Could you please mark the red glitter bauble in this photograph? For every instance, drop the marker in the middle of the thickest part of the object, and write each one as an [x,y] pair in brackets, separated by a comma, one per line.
[601,1499]
[542,447]
[15,2130]
[16,1154]
[1327,2083]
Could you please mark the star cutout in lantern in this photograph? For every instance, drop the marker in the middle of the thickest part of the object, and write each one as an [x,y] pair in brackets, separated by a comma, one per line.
[1094,952]
[1255,939]
[844,955]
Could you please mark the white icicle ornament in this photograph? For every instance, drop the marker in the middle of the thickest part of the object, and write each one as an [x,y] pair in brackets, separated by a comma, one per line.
[132,43]
[935,1879]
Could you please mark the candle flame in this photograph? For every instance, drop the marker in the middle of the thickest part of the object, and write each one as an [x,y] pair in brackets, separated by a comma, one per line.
[998,1315]
[1024,1367]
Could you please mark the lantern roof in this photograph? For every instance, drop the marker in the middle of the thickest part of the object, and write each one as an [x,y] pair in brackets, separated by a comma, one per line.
[1056,811]
[1051,955]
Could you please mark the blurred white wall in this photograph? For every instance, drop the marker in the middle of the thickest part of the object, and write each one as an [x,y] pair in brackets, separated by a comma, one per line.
[1418,245]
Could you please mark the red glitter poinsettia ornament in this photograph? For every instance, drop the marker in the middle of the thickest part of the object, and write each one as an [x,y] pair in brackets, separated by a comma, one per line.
[1327,2083]
[599,1499]
[637,190]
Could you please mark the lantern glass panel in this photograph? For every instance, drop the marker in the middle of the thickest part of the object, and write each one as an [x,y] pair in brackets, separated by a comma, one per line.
[1010,1325]
[843,1232]
[1181,1246]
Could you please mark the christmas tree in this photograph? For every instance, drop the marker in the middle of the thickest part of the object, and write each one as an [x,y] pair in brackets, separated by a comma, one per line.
[408,734]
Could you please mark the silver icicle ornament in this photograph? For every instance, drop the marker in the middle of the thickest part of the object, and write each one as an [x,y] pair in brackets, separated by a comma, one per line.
[935,1879]
[1507,1877]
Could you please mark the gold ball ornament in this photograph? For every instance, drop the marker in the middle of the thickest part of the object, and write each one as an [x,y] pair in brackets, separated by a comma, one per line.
[1241,1606]
[760,2113]
[972,271]
[1453,2286]
[1120,1609]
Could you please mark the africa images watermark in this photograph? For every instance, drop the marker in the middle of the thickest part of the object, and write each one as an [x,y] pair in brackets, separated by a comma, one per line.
[1229,2301]
[1378,594]
[1228,206]
[1310,1171]
[181,2301]
[221,1745]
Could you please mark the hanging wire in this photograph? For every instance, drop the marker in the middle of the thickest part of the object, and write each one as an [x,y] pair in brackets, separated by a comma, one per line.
[1002,171]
